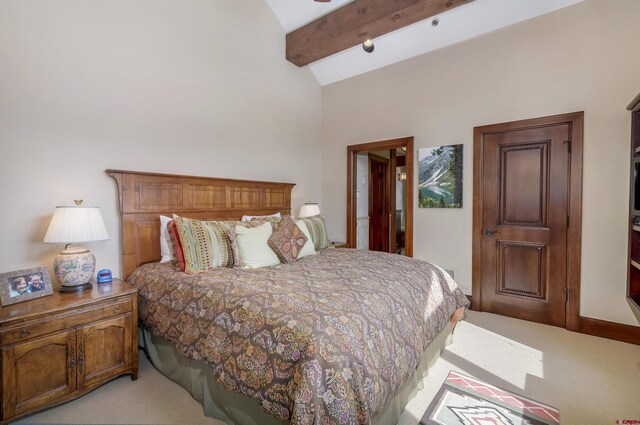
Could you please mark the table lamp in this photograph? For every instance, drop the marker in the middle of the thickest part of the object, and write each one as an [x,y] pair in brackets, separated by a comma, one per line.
[74,267]
[309,209]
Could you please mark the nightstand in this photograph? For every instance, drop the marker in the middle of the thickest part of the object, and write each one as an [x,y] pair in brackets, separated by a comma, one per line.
[59,347]
[340,245]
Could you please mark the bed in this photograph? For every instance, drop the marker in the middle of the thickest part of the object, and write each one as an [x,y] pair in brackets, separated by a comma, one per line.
[340,337]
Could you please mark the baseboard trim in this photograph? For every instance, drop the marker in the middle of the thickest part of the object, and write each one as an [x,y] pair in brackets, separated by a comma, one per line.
[610,330]
[596,327]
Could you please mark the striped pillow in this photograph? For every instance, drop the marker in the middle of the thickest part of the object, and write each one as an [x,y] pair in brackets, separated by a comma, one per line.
[318,231]
[205,244]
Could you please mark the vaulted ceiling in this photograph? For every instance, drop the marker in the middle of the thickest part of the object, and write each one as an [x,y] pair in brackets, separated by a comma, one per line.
[460,20]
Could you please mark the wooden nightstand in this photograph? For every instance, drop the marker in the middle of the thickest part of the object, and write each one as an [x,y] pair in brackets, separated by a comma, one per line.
[59,347]
[340,245]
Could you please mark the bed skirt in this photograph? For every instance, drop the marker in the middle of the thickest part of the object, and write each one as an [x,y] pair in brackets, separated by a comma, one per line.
[237,409]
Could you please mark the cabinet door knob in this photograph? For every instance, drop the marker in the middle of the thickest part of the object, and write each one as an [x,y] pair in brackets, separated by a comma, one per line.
[118,309]
[24,333]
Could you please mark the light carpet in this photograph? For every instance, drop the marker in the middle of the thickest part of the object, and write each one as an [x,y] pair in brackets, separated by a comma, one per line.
[591,380]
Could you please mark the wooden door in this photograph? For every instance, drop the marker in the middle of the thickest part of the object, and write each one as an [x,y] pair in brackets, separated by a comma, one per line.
[525,216]
[104,350]
[391,208]
[37,372]
[378,203]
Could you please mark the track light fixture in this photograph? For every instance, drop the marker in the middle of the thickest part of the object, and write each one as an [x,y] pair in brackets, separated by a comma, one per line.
[368,46]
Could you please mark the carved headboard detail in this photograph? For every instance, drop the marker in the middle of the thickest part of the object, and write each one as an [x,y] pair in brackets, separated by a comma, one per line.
[143,197]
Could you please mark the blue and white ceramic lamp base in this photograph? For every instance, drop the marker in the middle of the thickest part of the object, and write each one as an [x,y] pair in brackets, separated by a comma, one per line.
[74,268]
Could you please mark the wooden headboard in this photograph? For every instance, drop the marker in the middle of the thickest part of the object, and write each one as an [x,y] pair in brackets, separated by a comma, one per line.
[143,197]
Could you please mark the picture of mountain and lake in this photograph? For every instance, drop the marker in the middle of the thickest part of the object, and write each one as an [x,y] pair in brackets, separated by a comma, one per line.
[440,177]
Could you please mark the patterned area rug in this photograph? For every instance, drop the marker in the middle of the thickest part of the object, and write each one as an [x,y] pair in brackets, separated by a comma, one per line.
[465,400]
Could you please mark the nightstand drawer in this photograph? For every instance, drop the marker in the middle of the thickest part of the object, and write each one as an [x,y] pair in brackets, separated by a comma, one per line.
[65,320]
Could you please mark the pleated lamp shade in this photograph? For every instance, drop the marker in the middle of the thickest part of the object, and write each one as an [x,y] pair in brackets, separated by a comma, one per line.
[76,224]
[309,209]
[74,267]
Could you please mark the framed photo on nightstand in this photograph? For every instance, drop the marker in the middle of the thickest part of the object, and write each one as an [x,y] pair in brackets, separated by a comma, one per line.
[23,285]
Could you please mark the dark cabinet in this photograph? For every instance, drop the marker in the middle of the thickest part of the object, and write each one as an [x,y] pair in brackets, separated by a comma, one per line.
[633,277]
[56,348]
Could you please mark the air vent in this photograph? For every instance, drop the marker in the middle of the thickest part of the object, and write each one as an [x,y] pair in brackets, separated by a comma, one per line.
[450,272]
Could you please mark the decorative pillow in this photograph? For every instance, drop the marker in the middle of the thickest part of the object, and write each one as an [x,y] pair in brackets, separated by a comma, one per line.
[205,244]
[253,217]
[318,231]
[233,238]
[178,259]
[307,249]
[165,240]
[287,240]
[253,250]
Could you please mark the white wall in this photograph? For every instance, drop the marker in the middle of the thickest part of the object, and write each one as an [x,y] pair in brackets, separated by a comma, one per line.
[196,87]
[400,188]
[362,185]
[585,57]
[362,201]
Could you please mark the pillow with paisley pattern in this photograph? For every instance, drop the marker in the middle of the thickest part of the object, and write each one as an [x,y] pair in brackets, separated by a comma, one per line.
[287,240]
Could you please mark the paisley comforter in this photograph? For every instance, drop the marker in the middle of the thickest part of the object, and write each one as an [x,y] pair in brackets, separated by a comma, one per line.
[325,340]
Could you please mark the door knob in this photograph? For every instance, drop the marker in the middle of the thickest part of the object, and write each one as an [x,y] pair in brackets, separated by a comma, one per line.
[490,232]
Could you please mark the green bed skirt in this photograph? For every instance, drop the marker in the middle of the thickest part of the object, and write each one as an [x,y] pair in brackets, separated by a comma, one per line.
[237,409]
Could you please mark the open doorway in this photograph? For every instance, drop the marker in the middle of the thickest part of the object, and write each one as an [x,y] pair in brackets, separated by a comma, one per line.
[379,196]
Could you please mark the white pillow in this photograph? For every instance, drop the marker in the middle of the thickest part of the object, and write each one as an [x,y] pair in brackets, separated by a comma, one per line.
[165,240]
[253,248]
[308,248]
[251,217]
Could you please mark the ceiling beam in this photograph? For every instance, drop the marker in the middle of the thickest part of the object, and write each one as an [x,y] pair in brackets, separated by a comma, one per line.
[357,21]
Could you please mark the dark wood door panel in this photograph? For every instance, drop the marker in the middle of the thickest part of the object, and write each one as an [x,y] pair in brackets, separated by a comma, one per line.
[524,179]
[524,266]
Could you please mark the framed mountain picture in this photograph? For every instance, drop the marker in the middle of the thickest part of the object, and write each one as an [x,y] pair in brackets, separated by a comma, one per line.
[440,177]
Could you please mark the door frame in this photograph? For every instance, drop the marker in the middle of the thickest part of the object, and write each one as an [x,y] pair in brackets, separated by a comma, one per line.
[352,152]
[575,121]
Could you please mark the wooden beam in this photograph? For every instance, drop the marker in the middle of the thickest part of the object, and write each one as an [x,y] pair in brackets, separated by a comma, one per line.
[357,21]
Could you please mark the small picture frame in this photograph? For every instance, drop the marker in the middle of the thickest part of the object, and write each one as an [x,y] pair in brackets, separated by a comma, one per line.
[23,285]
